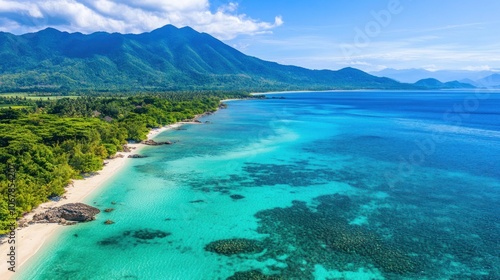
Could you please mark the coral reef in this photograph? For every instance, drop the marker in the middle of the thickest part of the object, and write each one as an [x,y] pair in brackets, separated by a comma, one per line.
[324,236]
[253,275]
[146,234]
[234,246]
[134,237]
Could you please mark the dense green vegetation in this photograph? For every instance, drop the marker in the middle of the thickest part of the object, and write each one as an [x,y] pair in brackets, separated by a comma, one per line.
[49,142]
[166,59]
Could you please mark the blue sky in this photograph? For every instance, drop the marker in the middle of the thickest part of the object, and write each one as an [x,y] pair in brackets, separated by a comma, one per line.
[318,34]
[426,34]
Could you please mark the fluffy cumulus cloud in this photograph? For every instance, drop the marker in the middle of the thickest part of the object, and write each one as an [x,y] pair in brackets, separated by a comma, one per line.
[128,16]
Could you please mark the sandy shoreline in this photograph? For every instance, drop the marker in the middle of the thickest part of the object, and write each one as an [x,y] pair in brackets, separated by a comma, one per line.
[30,239]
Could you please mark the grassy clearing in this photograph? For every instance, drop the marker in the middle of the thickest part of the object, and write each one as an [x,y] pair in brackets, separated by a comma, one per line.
[35,96]
[15,107]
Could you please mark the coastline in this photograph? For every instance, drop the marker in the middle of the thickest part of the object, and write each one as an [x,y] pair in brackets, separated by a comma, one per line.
[29,240]
[490,90]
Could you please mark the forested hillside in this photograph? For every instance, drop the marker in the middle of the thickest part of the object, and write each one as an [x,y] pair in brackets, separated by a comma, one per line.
[167,58]
[48,142]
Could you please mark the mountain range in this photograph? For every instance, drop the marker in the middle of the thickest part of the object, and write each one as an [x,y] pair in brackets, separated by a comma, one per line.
[489,81]
[485,78]
[431,83]
[165,59]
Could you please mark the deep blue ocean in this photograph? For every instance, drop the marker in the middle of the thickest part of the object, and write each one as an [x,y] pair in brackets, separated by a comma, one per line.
[318,185]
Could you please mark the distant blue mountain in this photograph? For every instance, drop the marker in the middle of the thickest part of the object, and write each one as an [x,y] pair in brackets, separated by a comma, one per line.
[167,58]
[436,84]
[414,75]
[492,81]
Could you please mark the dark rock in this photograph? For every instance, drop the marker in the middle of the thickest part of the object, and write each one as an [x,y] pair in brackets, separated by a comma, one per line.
[108,222]
[236,196]
[22,223]
[136,156]
[107,210]
[197,201]
[151,142]
[77,212]
[117,156]
[126,149]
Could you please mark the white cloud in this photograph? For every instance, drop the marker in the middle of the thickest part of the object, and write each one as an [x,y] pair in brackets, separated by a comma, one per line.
[229,8]
[128,16]
[478,68]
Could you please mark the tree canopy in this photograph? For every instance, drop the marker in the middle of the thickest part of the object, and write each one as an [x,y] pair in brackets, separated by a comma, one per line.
[49,142]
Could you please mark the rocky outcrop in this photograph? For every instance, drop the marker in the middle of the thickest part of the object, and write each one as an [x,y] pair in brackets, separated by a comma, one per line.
[136,156]
[151,142]
[67,214]
[116,156]
[126,149]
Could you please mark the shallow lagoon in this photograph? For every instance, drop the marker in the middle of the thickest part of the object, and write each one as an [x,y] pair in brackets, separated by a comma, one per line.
[360,185]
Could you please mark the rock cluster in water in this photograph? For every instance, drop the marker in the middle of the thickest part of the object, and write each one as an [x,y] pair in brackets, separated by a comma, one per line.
[134,238]
[67,214]
[136,156]
[234,246]
[151,142]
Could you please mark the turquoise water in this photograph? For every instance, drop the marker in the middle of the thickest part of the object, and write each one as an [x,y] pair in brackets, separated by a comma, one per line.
[331,185]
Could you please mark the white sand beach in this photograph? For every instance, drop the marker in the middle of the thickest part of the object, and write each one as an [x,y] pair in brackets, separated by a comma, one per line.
[28,240]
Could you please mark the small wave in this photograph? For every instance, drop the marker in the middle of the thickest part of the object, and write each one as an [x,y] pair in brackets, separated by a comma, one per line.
[444,128]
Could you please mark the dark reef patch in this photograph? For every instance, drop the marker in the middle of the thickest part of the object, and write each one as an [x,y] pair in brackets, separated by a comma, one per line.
[236,196]
[134,237]
[253,275]
[110,241]
[146,234]
[433,225]
[297,174]
[235,246]
[325,237]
